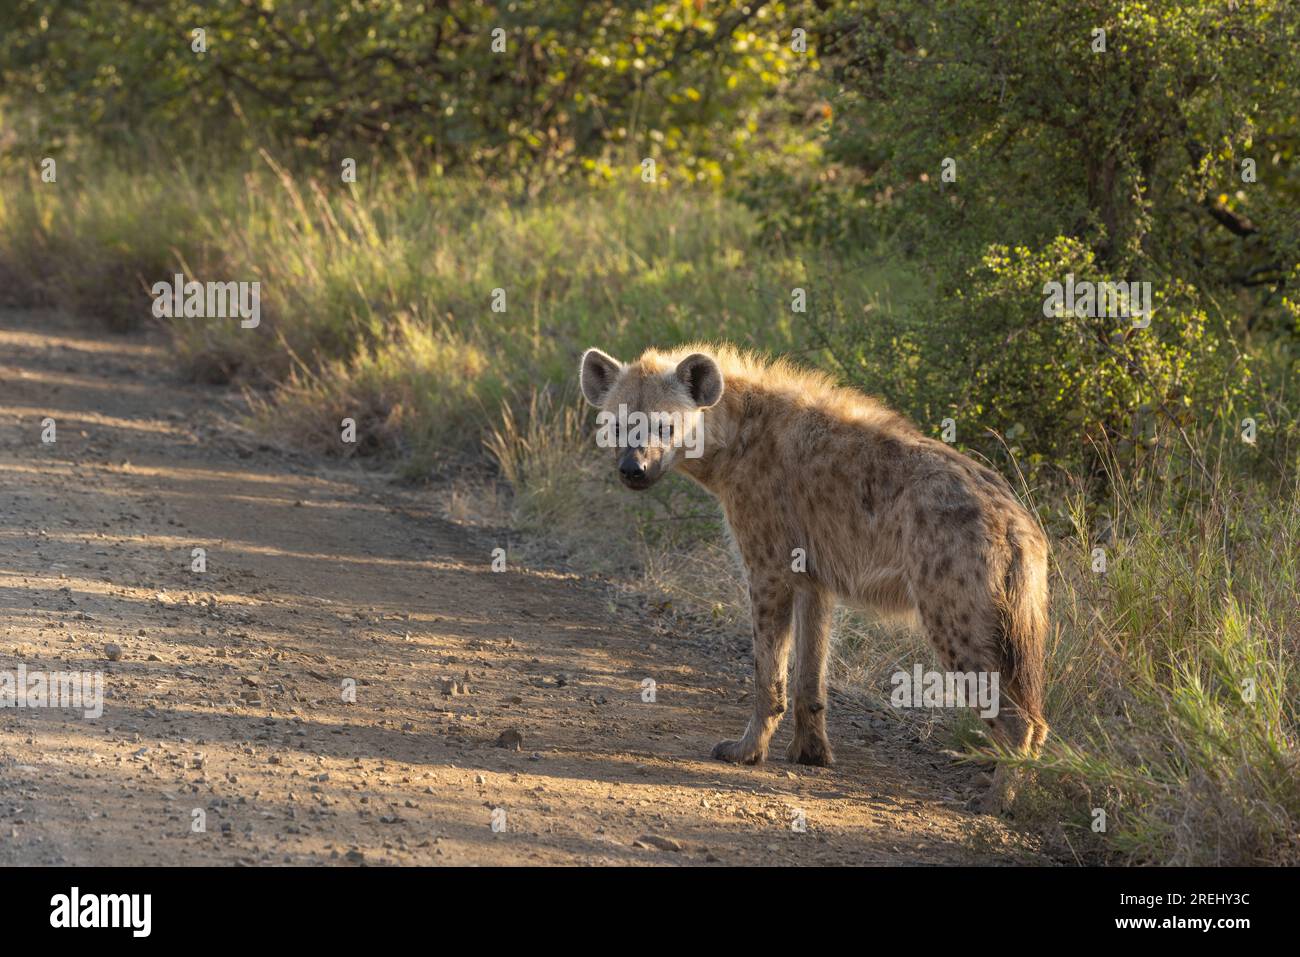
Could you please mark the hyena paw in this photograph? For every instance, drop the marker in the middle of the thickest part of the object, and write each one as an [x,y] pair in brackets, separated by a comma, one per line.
[739,752]
[812,750]
[990,802]
[1000,794]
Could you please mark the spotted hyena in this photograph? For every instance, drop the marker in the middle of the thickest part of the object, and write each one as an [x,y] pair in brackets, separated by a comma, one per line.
[831,496]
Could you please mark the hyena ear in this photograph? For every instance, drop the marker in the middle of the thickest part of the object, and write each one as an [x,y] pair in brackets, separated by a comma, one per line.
[702,378]
[597,375]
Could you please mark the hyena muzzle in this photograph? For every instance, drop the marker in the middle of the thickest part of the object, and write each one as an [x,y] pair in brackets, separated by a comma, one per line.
[830,496]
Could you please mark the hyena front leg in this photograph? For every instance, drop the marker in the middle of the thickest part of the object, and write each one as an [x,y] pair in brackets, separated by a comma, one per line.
[812,630]
[771,604]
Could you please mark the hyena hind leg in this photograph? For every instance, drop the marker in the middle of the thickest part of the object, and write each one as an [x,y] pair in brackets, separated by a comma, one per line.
[812,635]
[1017,732]
[771,607]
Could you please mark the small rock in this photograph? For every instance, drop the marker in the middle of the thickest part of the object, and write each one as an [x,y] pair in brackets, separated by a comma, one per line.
[113,652]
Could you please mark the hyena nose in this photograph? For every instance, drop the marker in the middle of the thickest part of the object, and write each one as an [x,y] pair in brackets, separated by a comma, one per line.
[631,469]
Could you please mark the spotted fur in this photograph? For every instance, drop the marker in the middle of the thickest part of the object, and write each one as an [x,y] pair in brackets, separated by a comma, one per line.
[888,518]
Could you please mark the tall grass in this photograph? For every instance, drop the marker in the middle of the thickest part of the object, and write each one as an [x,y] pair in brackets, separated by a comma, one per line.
[415,303]
[1175,695]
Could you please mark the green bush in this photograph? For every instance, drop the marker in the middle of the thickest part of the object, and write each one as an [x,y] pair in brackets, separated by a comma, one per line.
[1063,384]
[1053,387]
[1139,150]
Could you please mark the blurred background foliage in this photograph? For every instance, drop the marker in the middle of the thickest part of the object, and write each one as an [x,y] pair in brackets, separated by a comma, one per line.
[562,89]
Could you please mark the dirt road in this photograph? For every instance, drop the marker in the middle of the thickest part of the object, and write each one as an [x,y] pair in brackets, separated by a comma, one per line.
[224,698]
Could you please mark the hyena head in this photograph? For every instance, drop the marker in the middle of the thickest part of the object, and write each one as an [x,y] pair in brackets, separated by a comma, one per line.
[650,410]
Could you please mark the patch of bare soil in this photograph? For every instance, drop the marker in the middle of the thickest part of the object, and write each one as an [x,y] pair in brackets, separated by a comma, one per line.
[513,696]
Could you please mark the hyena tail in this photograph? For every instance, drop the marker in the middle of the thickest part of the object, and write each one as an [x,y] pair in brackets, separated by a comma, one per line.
[1023,633]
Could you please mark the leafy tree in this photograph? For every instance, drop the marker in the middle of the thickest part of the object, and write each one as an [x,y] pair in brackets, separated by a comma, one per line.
[546,88]
[1010,145]
[1126,125]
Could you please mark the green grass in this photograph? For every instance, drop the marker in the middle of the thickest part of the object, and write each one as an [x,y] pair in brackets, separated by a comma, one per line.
[377,305]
